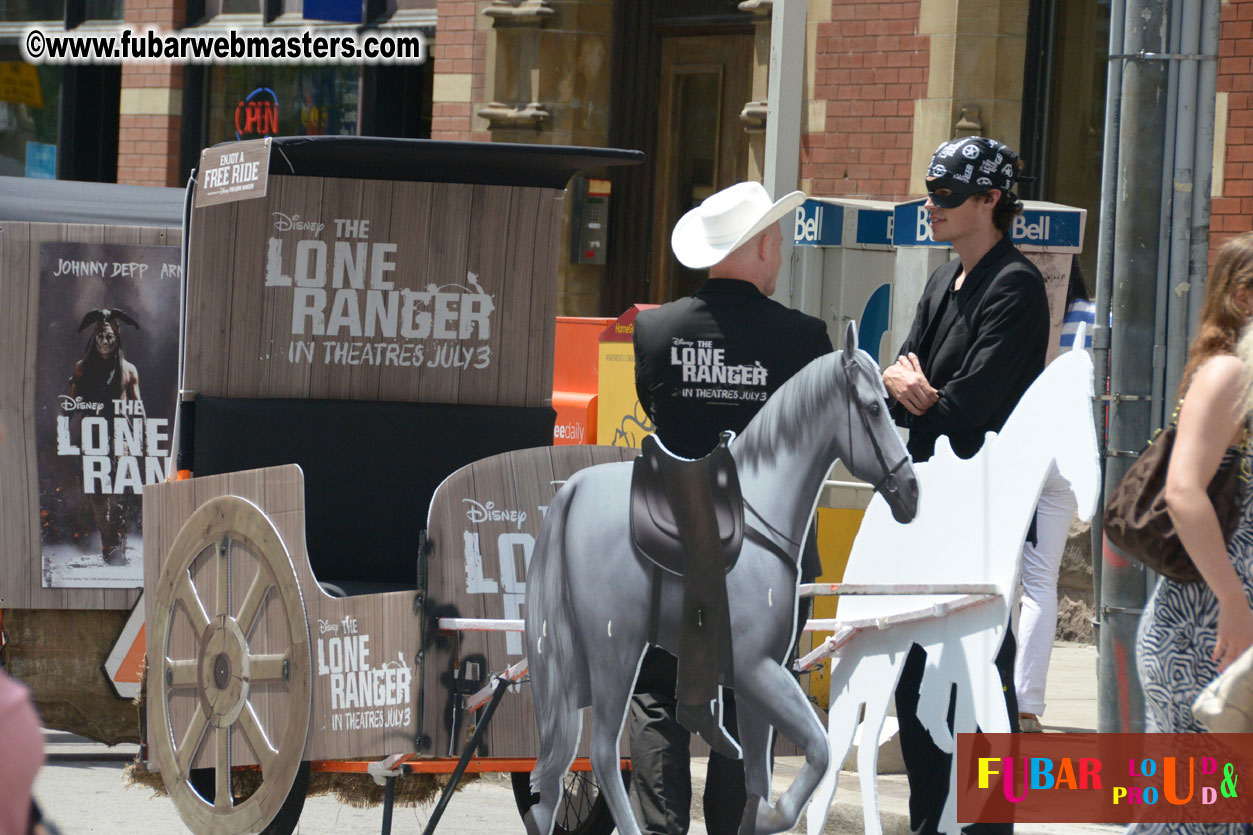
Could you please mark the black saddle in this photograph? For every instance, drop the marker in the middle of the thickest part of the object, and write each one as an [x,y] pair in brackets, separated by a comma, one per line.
[668,494]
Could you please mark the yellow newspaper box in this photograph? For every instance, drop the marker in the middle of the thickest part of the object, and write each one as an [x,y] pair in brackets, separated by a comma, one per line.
[620,419]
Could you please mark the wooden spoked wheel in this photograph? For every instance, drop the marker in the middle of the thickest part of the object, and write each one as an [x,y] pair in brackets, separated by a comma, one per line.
[232,666]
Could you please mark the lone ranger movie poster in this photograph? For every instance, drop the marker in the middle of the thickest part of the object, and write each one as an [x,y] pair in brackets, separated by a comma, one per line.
[105,390]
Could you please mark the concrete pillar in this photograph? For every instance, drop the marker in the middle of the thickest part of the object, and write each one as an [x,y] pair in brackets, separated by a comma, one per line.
[150,116]
[977,55]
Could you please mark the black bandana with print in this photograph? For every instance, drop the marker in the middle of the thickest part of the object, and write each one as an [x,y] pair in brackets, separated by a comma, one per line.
[973,164]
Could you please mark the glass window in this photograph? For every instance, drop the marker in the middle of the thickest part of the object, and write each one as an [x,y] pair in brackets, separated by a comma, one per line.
[1076,124]
[251,102]
[104,9]
[20,10]
[213,8]
[698,95]
[30,98]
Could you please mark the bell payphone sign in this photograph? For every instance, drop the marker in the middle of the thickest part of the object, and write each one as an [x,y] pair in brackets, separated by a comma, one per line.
[818,224]
[875,227]
[1045,226]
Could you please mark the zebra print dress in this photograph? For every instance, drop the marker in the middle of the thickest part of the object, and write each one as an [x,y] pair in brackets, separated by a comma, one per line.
[1173,644]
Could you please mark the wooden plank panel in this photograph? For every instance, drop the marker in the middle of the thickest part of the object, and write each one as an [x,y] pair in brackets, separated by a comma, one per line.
[447,253]
[411,206]
[249,347]
[517,299]
[512,483]
[498,211]
[18,505]
[291,200]
[492,485]
[376,201]
[341,201]
[210,283]
[544,305]
[434,235]
[20,536]
[383,628]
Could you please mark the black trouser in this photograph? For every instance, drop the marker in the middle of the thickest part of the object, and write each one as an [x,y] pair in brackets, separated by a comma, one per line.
[661,778]
[926,765]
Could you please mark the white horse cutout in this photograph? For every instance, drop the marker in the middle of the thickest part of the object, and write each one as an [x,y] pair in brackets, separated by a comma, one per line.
[972,519]
[588,593]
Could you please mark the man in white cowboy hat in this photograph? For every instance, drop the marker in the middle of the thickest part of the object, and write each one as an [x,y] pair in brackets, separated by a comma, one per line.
[705,364]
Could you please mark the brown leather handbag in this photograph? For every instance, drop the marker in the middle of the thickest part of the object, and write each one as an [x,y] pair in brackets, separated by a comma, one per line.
[1136,520]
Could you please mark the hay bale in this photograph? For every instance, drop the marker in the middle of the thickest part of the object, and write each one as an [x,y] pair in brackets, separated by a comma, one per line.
[59,654]
[356,790]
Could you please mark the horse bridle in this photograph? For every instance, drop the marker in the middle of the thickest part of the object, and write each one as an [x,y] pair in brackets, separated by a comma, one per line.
[888,484]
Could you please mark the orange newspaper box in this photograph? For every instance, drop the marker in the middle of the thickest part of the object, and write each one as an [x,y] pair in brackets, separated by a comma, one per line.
[575,375]
[620,419]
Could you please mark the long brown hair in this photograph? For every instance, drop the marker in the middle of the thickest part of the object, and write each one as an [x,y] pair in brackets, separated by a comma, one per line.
[1222,320]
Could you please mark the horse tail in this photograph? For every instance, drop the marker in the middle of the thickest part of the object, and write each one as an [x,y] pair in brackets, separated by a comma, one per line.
[558,677]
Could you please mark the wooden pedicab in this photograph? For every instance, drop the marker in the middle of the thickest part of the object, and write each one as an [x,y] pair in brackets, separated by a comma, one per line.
[366,368]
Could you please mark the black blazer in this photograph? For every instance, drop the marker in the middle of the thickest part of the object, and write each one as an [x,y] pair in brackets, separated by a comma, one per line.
[980,347]
[707,363]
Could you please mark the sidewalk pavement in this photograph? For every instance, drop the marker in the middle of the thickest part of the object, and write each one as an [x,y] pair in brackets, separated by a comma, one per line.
[1070,698]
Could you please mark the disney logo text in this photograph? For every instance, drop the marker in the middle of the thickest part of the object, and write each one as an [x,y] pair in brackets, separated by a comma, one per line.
[479,513]
[78,404]
[287,224]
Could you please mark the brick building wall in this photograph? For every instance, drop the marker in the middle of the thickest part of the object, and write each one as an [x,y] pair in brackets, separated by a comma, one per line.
[870,67]
[459,60]
[150,111]
[1232,207]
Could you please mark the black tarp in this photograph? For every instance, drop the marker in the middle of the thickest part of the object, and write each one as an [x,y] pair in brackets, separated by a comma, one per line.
[370,468]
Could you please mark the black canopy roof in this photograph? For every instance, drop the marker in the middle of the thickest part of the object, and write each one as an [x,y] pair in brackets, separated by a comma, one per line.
[432,161]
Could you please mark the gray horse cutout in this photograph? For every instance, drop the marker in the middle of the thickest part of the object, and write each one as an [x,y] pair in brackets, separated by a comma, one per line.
[589,593]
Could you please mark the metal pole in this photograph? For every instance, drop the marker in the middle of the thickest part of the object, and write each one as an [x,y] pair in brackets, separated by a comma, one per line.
[1207,95]
[466,755]
[786,87]
[1105,264]
[1182,219]
[1135,256]
[1173,225]
[389,801]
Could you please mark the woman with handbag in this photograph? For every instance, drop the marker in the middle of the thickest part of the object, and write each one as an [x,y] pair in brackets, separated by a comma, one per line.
[1191,630]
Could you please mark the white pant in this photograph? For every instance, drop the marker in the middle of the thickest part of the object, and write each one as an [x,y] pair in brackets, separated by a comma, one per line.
[1040,565]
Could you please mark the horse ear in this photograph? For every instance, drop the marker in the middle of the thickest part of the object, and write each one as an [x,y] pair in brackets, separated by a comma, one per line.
[850,338]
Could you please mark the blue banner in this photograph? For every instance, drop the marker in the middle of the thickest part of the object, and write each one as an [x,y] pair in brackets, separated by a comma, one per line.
[342,11]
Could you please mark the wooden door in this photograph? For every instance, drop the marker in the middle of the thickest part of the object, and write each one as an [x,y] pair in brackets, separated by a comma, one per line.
[701,143]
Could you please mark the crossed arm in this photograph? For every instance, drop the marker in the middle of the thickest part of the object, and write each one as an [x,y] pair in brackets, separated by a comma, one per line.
[1011,330]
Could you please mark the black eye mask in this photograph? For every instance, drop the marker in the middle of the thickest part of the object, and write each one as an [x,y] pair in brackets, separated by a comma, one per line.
[969,166]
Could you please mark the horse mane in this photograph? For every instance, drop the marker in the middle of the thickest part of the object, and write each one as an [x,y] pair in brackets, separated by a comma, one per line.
[790,412]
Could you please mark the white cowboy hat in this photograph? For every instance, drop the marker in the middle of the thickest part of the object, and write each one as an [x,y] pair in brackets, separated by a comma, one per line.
[727,220]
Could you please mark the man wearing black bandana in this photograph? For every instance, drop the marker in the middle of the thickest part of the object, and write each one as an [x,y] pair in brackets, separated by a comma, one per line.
[977,342]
